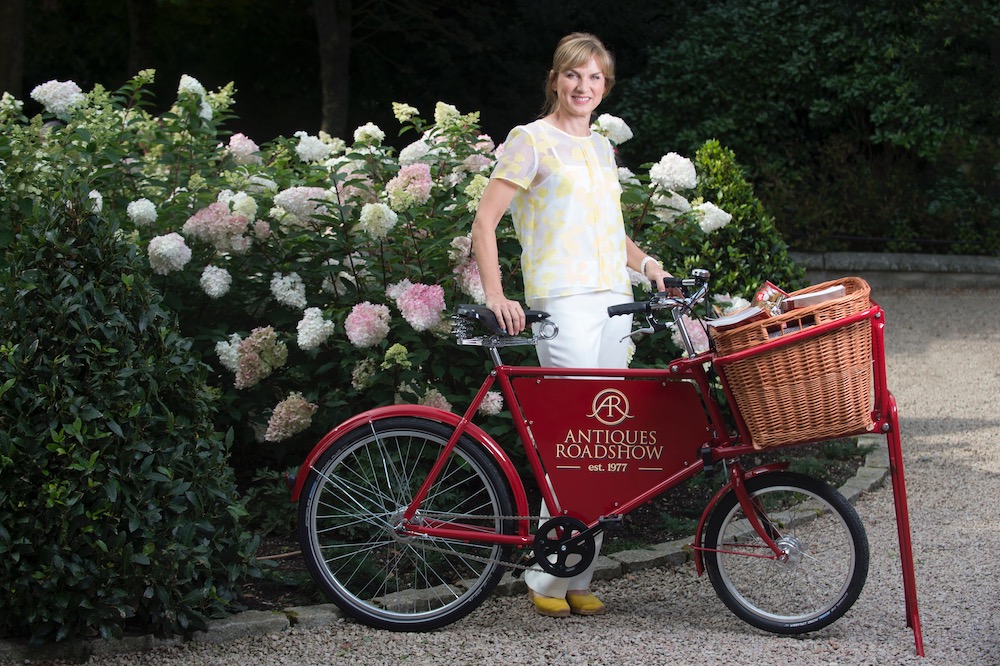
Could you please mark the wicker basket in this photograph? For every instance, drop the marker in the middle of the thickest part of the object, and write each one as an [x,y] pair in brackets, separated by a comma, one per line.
[818,388]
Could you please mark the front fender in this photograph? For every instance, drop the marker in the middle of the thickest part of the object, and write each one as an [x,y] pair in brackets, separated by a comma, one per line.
[699,560]
[423,412]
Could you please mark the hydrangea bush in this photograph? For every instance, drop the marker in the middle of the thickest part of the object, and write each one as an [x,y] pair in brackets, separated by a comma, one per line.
[316,274]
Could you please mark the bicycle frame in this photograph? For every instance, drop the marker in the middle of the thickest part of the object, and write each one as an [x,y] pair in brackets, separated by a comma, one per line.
[567,419]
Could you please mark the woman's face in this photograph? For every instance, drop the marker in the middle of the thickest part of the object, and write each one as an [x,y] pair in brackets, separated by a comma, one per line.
[580,89]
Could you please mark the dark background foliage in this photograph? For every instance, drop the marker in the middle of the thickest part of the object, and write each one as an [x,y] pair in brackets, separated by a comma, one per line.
[864,125]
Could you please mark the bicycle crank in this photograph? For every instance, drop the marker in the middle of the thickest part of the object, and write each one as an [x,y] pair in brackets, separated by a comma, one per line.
[564,546]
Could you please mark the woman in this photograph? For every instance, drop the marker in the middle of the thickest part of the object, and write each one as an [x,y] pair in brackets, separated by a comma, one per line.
[560,181]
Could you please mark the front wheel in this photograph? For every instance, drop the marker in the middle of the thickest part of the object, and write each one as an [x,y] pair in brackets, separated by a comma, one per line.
[353,541]
[825,546]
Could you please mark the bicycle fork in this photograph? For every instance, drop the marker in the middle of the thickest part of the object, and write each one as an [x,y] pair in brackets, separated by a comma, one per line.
[751,509]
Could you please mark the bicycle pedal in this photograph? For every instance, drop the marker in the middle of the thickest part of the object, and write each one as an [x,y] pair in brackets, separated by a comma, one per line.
[612,522]
[527,561]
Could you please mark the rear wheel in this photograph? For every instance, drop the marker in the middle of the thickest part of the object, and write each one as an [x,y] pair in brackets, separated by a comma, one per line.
[351,507]
[826,550]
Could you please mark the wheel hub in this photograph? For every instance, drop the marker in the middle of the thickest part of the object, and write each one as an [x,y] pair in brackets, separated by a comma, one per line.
[397,524]
[793,552]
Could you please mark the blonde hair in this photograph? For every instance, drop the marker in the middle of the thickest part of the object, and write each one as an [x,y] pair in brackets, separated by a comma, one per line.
[572,51]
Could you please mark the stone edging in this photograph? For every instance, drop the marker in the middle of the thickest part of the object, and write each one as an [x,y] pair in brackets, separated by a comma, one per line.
[253,623]
[900,270]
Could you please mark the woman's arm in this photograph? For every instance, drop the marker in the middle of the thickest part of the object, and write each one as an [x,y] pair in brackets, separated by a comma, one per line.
[641,262]
[494,203]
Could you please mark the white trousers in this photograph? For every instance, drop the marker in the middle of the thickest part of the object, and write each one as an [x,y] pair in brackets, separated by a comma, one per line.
[588,338]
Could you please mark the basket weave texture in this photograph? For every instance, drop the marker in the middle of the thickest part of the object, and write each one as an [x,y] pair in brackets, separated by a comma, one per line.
[818,388]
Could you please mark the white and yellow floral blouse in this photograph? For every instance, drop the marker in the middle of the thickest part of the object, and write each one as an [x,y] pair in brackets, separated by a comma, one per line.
[567,211]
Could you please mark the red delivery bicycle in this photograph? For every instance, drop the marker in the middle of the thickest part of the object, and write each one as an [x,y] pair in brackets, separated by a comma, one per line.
[409,515]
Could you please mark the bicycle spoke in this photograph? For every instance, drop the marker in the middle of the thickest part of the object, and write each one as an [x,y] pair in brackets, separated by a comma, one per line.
[355,538]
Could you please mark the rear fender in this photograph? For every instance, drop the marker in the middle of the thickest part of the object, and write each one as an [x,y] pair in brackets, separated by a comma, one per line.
[473,431]
[699,560]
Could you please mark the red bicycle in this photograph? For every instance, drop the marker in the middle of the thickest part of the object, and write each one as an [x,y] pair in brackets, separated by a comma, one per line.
[409,515]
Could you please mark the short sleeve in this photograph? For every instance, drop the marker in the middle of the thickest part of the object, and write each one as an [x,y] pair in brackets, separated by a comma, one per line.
[519,161]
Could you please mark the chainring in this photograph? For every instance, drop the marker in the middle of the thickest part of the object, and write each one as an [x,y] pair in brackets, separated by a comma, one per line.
[564,547]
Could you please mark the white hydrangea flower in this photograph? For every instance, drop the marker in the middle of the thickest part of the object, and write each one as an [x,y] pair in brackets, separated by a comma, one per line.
[142,212]
[729,304]
[260,184]
[669,205]
[189,84]
[626,176]
[205,112]
[311,148]
[337,145]
[414,152]
[168,253]
[289,290]
[240,203]
[369,133]
[377,220]
[612,127]
[711,217]
[58,97]
[97,201]
[215,281]
[313,329]
[445,114]
[229,352]
[403,112]
[397,289]
[673,173]
[10,105]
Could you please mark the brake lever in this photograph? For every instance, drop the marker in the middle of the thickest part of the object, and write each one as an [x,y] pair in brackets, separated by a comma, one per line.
[654,327]
[648,330]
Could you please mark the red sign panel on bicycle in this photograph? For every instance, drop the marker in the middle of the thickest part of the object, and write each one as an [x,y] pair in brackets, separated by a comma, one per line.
[624,435]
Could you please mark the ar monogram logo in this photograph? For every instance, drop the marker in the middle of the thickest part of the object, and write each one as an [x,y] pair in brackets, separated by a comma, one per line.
[610,407]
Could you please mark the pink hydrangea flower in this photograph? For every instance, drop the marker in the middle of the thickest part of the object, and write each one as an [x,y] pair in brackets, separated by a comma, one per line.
[367,324]
[292,415]
[492,403]
[220,227]
[699,338]
[434,398]
[258,356]
[303,203]
[469,281]
[244,150]
[411,186]
[421,305]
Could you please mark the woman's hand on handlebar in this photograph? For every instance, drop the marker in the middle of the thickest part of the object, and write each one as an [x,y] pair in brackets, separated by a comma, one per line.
[509,314]
[655,273]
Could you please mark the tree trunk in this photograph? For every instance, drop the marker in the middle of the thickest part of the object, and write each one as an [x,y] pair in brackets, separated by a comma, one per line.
[12,47]
[333,25]
[141,20]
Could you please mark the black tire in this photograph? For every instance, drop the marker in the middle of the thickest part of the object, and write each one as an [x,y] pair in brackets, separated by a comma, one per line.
[354,494]
[826,543]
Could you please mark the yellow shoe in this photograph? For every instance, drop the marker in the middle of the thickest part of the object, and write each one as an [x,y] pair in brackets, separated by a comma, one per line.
[585,603]
[549,606]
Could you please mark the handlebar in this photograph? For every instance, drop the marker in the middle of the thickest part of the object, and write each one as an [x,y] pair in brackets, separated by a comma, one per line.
[661,300]
[678,305]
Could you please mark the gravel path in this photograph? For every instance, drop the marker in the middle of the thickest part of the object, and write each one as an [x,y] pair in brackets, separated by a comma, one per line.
[943,351]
